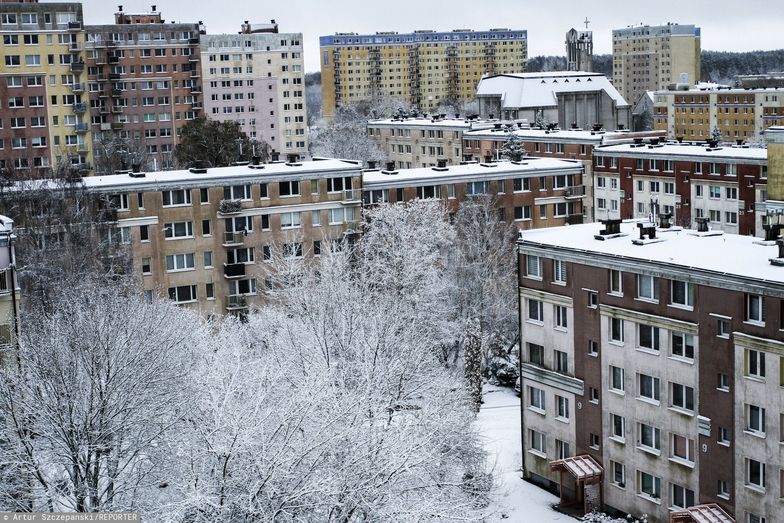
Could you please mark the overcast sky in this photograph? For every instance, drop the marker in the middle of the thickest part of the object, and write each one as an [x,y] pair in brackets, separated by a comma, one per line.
[726,26]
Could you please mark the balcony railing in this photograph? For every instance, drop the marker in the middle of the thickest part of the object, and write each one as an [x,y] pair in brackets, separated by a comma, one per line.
[230,206]
[82,128]
[577,191]
[77,67]
[236,302]
[77,88]
[231,239]
[352,195]
[116,109]
[234,270]
[116,126]
[74,26]
[80,107]
[114,77]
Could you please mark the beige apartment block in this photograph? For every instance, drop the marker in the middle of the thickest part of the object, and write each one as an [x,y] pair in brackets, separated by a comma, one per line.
[423,68]
[650,58]
[257,79]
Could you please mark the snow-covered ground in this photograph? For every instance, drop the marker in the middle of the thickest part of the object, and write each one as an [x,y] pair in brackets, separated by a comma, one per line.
[515,500]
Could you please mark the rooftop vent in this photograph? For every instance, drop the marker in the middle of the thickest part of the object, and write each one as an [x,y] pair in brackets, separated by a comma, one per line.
[136,171]
[274,156]
[292,160]
[255,160]
[702,224]
[441,165]
[647,234]
[612,229]
[390,168]
[371,165]
[197,168]
[665,220]
[779,262]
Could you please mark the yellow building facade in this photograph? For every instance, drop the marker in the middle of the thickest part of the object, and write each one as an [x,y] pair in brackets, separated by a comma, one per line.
[423,68]
[43,88]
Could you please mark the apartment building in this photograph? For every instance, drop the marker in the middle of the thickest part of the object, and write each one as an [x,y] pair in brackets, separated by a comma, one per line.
[9,287]
[421,141]
[740,114]
[423,68]
[533,193]
[144,83]
[43,120]
[650,58]
[566,98]
[573,144]
[727,185]
[201,236]
[257,79]
[651,355]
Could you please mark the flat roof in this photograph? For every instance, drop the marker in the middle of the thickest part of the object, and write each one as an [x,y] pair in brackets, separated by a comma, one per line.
[669,150]
[215,176]
[713,257]
[473,171]
[564,135]
[455,123]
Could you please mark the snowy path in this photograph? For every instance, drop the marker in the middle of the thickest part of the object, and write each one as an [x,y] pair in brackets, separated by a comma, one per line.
[516,501]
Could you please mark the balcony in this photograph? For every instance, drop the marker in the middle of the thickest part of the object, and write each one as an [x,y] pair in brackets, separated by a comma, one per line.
[116,109]
[76,47]
[196,105]
[116,92]
[234,303]
[82,128]
[74,26]
[196,89]
[82,147]
[352,196]
[193,41]
[80,108]
[116,126]
[577,191]
[77,67]
[193,58]
[195,74]
[77,88]
[103,109]
[233,239]
[113,77]
[230,206]
[114,59]
[233,270]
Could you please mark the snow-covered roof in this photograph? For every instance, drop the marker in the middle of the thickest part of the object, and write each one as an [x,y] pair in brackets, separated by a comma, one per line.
[541,89]
[710,513]
[237,174]
[428,123]
[469,172]
[709,87]
[683,151]
[563,135]
[581,468]
[714,259]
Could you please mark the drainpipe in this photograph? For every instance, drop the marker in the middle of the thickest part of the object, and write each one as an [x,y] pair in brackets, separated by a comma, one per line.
[520,367]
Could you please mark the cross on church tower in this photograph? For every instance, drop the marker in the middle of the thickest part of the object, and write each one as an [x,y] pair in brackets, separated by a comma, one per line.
[586,22]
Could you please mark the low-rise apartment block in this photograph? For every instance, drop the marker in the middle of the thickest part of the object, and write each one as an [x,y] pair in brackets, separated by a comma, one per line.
[257,79]
[742,115]
[726,185]
[9,287]
[654,353]
[532,193]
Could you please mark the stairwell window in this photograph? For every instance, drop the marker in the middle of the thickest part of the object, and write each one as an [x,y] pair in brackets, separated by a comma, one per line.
[755,309]
[559,272]
[682,293]
[647,287]
[533,266]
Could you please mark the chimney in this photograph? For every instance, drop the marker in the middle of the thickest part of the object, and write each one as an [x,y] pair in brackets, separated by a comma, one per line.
[255,160]
[497,126]
[647,229]
[611,227]
[119,8]
[371,165]
[136,167]
[664,220]
[490,116]
[488,158]
[702,224]
[153,8]
[390,166]
[275,156]
[292,158]
[442,163]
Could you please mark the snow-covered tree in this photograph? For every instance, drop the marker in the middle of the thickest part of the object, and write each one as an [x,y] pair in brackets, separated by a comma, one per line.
[513,148]
[601,517]
[346,137]
[472,362]
[89,398]
[716,135]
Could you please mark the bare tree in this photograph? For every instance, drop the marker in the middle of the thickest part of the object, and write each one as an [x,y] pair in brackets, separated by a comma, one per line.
[114,152]
[101,380]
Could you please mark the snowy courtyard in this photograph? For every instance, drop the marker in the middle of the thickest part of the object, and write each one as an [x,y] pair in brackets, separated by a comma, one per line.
[515,500]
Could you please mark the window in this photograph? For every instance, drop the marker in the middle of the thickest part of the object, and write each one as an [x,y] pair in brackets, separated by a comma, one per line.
[618,471]
[315,218]
[682,397]
[648,485]
[144,233]
[210,290]
[648,337]
[176,197]
[147,265]
[476,188]
[754,518]
[755,419]
[178,230]
[339,184]
[754,364]
[263,193]
[593,348]
[681,448]
[538,442]
[682,293]
[649,437]
[533,265]
[755,308]
[521,184]
[535,310]
[724,383]
[536,399]
[522,212]
[616,282]
[292,250]
[723,328]
[682,497]
[682,345]
[207,259]
[593,299]
[616,329]
[290,188]
[183,294]
[206,228]
[647,287]
[180,262]
[242,255]
[290,220]
[236,192]
[562,407]
[723,489]
[618,427]
[724,436]
[536,354]
[341,215]
[559,272]
[562,450]
[755,473]
[593,393]
[561,361]
[648,387]
[616,379]
[560,316]
[241,287]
